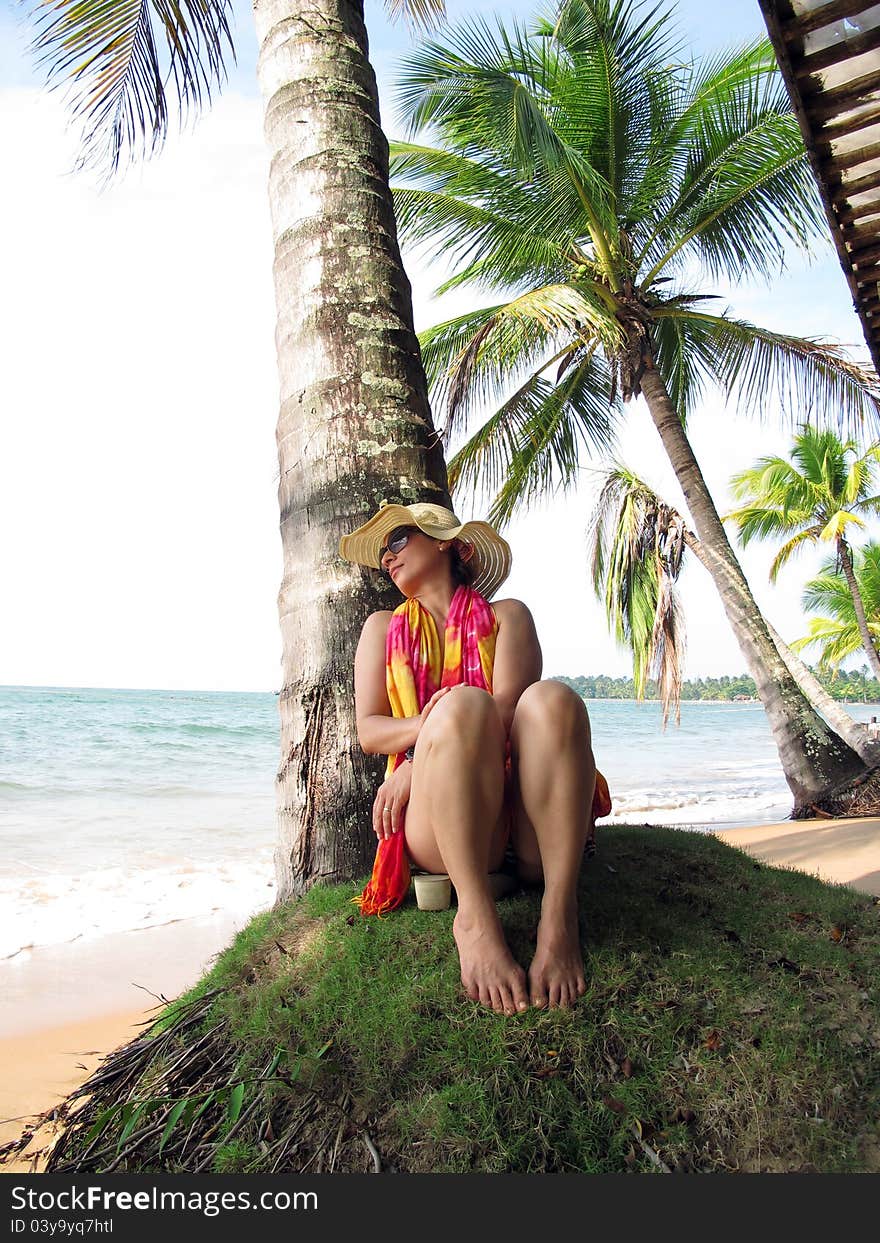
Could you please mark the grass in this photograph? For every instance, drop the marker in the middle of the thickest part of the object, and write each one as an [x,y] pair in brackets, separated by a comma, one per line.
[730,1023]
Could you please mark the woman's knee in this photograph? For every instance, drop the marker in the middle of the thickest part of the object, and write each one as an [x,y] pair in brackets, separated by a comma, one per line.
[467,712]
[553,706]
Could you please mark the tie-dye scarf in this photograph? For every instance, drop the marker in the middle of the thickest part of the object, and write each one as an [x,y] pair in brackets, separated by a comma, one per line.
[412,674]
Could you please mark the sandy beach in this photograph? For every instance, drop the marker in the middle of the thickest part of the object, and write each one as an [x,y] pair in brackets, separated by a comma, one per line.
[85,999]
[67,1006]
[844,852]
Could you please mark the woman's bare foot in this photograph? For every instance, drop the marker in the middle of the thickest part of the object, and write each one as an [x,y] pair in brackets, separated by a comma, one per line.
[556,975]
[489,972]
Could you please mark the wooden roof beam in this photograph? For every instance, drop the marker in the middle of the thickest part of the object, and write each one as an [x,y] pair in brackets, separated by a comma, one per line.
[834,99]
[859,212]
[861,91]
[845,50]
[836,160]
[832,130]
[796,27]
[860,185]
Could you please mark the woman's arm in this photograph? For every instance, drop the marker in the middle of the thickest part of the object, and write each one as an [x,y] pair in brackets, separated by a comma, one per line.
[380,733]
[518,659]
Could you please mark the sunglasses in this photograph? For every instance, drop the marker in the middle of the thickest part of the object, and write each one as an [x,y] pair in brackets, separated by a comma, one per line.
[397,541]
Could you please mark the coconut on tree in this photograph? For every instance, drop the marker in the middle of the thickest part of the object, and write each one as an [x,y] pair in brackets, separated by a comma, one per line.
[639,545]
[580,169]
[822,494]
[354,424]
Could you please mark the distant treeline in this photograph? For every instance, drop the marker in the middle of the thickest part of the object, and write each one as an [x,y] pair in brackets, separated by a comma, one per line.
[847,685]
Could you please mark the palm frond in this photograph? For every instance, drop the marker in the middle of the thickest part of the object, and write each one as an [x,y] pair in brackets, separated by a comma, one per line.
[512,334]
[532,444]
[636,547]
[489,93]
[746,189]
[807,377]
[687,94]
[120,57]
[788,550]
[418,14]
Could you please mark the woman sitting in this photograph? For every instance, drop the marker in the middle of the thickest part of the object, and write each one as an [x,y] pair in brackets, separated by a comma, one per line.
[482,753]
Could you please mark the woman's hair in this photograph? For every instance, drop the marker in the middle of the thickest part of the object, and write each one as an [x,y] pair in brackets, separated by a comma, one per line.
[462,571]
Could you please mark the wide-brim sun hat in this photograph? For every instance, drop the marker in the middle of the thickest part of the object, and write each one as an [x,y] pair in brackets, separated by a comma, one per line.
[491,559]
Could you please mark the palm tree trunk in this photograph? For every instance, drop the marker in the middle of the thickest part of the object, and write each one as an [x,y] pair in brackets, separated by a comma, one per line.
[853,733]
[813,758]
[354,426]
[846,564]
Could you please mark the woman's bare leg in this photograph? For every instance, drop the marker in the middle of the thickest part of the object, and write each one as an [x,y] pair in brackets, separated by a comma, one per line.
[454,824]
[554,778]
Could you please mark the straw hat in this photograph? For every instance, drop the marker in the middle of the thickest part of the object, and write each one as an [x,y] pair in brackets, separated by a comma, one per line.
[491,558]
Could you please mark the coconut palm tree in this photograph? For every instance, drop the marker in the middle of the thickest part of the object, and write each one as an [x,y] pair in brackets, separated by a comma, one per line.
[587,175]
[837,631]
[825,491]
[354,425]
[639,544]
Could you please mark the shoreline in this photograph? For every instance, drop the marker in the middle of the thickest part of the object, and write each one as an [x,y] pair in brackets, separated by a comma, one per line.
[71,1005]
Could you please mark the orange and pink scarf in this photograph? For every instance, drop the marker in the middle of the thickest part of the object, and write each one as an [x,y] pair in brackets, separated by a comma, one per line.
[413,672]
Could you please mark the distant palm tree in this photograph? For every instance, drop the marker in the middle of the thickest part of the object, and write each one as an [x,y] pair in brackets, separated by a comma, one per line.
[827,489]
[639,545]
[837,632]
[588,175]
[354,423]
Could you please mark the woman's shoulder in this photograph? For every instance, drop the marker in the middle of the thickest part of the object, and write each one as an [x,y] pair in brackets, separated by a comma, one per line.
[378,621]
[511,611]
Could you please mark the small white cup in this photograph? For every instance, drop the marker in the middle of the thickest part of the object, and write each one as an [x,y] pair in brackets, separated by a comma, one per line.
[433,891]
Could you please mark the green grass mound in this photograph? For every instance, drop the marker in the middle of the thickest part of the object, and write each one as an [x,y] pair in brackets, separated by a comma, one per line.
[730,1023]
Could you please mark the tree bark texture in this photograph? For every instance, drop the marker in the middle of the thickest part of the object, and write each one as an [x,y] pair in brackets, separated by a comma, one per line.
[354,425]
[813,758]
[846,564]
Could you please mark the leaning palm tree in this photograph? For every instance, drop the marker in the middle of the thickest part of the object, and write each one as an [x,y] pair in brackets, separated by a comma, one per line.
[354,424]
[586,174]
[639,544]
[826,490]
[837,630]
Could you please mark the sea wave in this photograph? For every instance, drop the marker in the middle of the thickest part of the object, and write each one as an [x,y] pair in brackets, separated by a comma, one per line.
[708,808]
[51,908]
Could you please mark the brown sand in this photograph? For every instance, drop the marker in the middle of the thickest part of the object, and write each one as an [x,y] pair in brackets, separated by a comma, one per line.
[39,1070]
[844,852]
[70,1005]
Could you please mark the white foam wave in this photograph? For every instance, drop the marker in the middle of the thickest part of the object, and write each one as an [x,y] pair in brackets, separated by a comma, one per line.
[53,908]
[701,807]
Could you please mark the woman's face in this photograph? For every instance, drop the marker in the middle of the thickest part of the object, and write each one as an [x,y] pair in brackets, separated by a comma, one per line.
[420,559]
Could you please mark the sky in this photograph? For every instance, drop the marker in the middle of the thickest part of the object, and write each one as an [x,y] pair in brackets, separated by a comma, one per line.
[139,394]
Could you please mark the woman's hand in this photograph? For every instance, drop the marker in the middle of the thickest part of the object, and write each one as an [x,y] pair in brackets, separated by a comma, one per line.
[432,703]
[390,802]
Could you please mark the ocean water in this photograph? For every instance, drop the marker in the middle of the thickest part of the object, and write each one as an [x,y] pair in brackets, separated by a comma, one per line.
[124,809]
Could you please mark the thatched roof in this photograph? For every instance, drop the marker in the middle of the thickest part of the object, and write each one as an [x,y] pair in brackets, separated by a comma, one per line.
[829,54]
